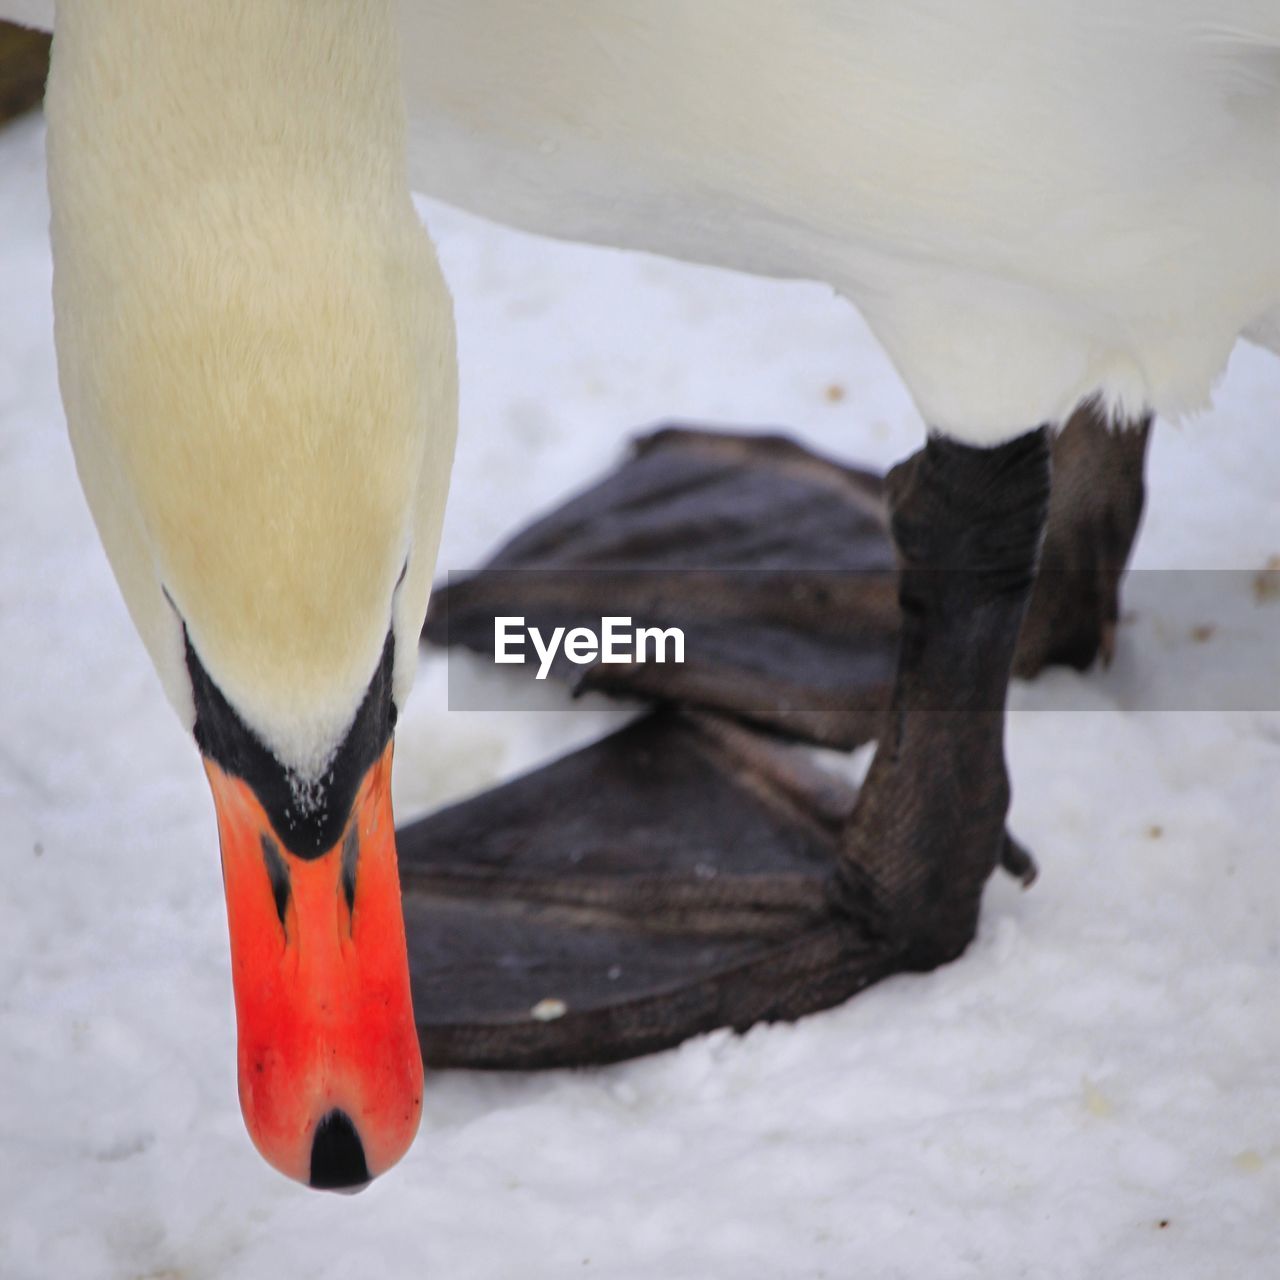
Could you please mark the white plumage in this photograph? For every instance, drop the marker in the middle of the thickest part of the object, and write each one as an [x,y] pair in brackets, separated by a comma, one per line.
[1029,203]
[255,346]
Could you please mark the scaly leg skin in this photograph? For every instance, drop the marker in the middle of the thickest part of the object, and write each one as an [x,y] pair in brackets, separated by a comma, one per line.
[929,826]
[688,873]
[1094,511]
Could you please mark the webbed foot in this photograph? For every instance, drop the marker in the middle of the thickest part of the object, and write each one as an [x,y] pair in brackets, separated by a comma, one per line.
[672,878]
[680,875]
[689,873]
[774,562]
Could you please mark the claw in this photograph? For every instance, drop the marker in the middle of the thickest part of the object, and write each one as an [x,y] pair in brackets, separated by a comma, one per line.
[1107,643]
[1016,859]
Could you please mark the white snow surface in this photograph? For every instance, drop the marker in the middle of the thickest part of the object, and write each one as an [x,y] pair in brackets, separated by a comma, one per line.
[1092,1090]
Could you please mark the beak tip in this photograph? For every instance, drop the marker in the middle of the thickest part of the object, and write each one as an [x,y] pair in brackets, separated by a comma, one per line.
[337,1156]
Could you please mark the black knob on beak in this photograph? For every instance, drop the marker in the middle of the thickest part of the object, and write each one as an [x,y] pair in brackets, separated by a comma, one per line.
[337,1157]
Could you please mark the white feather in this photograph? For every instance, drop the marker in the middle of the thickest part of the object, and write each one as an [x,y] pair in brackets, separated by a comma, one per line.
[255,346]
[1030,203]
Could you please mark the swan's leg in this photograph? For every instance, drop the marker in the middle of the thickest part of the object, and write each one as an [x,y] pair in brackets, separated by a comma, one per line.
[688,873]
[1094,511]
[929,826]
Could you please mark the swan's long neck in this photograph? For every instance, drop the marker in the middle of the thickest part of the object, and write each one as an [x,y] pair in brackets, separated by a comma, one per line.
[250,326]
[255,350]
[281,93]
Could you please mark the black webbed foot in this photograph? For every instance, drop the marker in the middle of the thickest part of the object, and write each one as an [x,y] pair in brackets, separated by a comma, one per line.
[775,562]
[778,566]
[673,878]
[678,876]
[689,873]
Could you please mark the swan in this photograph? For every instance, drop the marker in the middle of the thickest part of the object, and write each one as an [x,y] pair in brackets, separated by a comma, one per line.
[1030,205]
[256,356]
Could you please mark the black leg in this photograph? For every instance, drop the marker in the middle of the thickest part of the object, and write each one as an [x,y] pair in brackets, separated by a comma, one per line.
[929,826]
[1094,511]
[688,873]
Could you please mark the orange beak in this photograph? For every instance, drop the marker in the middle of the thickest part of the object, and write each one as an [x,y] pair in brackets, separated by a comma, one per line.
[329,1063]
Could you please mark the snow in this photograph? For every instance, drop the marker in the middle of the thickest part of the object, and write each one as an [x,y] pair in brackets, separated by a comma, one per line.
[1094,1089]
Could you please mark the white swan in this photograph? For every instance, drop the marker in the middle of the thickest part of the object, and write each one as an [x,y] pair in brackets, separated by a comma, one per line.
[1030,204]
[255,350]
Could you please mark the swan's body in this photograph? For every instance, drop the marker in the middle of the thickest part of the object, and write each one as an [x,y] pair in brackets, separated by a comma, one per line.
[1031,204]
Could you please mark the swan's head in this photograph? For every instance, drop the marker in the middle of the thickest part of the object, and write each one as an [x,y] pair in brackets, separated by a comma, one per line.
[265,439]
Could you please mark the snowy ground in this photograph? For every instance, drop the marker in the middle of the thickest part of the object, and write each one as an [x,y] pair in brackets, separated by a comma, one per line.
[1094,1090]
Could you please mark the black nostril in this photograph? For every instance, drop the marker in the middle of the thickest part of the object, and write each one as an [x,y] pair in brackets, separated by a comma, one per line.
[337,1158]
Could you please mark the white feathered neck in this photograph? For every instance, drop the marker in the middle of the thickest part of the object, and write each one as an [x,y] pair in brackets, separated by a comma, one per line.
[255,345]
